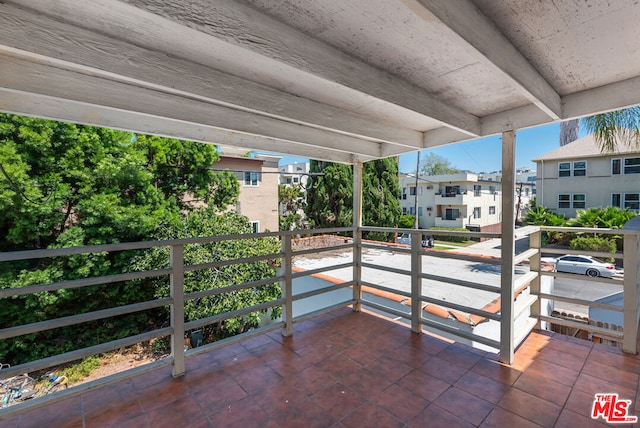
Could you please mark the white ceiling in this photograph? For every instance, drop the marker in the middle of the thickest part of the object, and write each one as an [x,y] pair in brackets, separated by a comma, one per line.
[328,79]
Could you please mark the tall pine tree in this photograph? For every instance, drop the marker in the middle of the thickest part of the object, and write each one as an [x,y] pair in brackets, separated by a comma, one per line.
[330,196]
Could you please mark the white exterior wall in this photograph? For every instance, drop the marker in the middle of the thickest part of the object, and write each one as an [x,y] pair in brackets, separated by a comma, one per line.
[432,194]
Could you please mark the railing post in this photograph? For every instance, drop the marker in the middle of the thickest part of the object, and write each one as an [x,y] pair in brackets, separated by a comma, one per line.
[535,241]
[416,281]
[507,248]
[630,294]
[357,236]
[177,309]
[287,291]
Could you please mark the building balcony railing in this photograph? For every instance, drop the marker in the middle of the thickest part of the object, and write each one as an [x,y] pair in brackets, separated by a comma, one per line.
[507,307]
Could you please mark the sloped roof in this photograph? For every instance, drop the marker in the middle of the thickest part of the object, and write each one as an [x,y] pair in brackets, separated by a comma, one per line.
[586,147]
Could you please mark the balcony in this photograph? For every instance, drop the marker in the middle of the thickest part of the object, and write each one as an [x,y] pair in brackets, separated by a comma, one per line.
[357,369]
[350,366]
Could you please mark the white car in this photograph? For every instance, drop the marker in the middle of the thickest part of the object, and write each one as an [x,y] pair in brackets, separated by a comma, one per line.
[584,265]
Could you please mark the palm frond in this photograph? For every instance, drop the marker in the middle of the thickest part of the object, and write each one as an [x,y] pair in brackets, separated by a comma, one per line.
[611,128]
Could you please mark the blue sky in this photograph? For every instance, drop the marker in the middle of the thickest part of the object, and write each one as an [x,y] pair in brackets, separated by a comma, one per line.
[485,154]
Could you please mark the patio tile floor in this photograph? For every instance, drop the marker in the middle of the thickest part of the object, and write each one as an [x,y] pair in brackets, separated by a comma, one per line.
[346,369]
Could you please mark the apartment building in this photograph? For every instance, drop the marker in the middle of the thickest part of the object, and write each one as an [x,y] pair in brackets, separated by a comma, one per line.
[258,198]
[453,200]
[578,175]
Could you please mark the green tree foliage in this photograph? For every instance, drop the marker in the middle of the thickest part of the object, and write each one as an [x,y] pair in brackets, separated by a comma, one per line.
[541,216]
[206,222]
[67,185]
[593,243]
[608,217]
[292,199]
[330,196]
[433,164]
[615,126]
[406,222]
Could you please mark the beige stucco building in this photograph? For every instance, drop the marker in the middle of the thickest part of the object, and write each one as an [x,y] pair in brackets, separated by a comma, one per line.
[579,175]
[258,199]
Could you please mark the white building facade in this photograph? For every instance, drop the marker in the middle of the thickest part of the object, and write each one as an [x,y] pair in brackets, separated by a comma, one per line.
[452,200]
[580,176]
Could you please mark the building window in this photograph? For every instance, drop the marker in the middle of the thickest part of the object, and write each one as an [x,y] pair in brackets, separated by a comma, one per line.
[615,200]
[526,191]
[251,178]
[577,200]
[412,191]
[615,166]
[404,211]
[296,179]
[412,210]
[531,178]
[632,166]
[492,190]
[564,201]
[451,214]
[632,201]
[255,226]
[404,193]
[477,212]
[492,210]
[477,189]
[580,169]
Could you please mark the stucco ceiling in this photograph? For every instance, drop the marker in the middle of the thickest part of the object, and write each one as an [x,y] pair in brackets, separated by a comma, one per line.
[328,79]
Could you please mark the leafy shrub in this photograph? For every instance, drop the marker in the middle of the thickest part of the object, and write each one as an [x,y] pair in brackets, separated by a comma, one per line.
[450,238]
[593,243]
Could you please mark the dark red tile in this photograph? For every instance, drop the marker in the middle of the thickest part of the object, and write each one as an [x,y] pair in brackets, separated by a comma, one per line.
[424,385]
[67,413]
[443,370]
[162,394]
[338,400]
[530,407]
[220,395]
[500,418]
[594,385]
[307,414]
[179,413]
[544,388]
[496,371]
[461,357]
[245,412]
[437,417]
[569,419]
[279,397]
[257,379]
[481,386]
[312,380]
[563,375]
[580,402]
[366,382]
[400,402]
[389,369]
[561,358]
[612,374]
[370,415]
[467,406]
[340,366]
